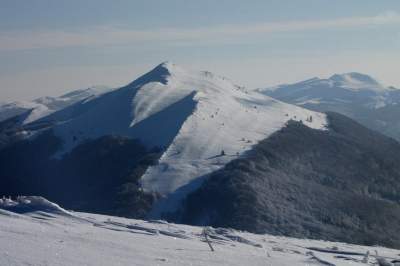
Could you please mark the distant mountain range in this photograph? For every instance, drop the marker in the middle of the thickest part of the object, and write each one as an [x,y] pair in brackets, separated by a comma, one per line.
[46,105]
[355,95]
[192,146]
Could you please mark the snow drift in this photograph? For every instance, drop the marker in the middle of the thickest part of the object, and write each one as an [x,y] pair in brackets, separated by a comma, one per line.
[30,204]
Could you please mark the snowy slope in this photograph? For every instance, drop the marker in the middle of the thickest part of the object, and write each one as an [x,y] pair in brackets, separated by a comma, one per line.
[11,109]
[193,115]
[46,105]
[226,118]
[54,238]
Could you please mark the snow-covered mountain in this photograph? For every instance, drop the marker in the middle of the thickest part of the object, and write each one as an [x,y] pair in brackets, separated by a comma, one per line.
[35,231]
[356,95]
[46,105]
[201,120]
[193,147]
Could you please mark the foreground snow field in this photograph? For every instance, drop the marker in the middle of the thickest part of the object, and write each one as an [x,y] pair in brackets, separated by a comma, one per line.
[36,232]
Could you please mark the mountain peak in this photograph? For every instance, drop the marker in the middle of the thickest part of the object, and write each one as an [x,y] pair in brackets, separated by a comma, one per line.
[158,74]
[355,80]
[167,71]
[354,76]
[167,65]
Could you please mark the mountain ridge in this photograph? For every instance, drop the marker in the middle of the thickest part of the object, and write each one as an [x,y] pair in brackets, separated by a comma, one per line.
[200,120]
[46,105]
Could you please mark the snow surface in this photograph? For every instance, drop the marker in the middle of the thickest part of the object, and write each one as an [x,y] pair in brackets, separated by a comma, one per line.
[52,238]
[44,106]
[194,115]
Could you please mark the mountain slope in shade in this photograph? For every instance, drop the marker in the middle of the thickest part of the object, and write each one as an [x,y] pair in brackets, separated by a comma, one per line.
[46,105]
[340,184]
[356,95]
[201,120]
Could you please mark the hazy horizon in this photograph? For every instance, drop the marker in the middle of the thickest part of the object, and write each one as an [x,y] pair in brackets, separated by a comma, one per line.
[47,48]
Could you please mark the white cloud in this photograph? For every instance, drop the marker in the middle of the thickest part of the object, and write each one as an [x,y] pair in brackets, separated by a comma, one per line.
[109,35]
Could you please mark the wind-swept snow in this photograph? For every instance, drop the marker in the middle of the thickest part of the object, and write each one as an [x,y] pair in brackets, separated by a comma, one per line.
[47,237]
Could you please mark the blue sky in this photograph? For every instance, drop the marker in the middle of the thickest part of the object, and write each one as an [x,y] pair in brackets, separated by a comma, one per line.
[49,47]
